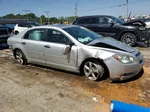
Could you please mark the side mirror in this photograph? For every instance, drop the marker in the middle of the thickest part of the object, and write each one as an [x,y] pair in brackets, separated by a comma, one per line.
[67,48]
[112,24]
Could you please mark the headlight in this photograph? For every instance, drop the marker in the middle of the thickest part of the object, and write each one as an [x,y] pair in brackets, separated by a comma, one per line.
[142,28]
[125,59]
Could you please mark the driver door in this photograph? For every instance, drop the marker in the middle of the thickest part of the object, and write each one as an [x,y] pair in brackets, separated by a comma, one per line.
[55,43]
[106,27]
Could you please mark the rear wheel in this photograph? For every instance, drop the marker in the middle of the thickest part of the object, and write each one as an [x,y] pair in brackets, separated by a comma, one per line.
[93,70]
[19,55]
[129,39]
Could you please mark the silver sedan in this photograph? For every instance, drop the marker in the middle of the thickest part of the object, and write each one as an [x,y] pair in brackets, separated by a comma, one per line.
[76,49]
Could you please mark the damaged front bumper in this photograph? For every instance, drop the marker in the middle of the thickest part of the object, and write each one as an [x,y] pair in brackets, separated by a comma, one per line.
[119,71]
[144,36]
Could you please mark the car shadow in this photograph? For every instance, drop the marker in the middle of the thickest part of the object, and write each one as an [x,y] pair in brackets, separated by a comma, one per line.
[55,69]
[142,44]
[139,75]
[3,46]
[58,71]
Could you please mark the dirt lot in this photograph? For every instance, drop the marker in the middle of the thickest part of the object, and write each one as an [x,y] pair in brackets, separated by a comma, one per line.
[33,88]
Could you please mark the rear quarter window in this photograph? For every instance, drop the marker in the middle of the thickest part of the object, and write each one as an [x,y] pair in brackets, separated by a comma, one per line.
[22,25]
[92,20]
[37,34]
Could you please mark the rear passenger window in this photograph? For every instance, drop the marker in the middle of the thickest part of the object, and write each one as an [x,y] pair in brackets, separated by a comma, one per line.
[92,21]
[21,25]
[37,34]
[82,21]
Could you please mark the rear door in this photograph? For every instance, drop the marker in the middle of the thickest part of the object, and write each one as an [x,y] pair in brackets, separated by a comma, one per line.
[91,23]
[33,45]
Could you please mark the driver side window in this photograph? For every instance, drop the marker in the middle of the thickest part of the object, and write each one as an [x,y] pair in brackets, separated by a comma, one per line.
[55,36]
[105,20]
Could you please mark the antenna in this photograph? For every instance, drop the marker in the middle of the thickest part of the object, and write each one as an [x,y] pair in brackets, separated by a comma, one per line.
[76,9]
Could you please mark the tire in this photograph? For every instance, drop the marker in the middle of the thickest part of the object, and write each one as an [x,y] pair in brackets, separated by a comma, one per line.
[20,57]
[93,70]
[129,39]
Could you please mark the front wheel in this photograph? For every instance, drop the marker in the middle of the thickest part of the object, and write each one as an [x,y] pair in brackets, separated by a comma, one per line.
[129,39]
[93,70]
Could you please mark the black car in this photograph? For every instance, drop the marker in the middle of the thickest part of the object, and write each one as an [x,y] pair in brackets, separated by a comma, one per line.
[4,33]
[128,33]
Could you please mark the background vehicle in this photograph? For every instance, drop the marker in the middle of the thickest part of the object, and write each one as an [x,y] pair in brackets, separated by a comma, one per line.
[4,33]
[146,21]
[128,33]
[23,26]
[78,50]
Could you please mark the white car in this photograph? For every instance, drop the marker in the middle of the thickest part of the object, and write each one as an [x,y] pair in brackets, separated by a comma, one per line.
[76,49]
[147,22]
[23,26]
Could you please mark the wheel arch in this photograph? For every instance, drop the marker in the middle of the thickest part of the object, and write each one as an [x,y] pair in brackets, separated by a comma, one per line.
[14,51]
[107,73]
[123,32]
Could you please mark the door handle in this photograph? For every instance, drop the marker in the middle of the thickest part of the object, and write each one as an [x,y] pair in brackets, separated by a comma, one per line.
[46,46]
[23,43]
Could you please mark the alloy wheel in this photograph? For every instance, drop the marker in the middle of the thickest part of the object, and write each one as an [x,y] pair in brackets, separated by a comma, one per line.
[128,39]
[92,70]
[19,57]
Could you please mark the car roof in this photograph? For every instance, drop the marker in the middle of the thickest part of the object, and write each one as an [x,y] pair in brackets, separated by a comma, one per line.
[61,26]
[95,16]
[29,22]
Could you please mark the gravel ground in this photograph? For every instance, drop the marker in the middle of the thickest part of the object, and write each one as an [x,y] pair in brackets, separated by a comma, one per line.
[35,88]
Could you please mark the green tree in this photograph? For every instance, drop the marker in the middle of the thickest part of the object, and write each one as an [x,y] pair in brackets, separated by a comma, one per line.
[32,16]
[54,20]
[43,18]
[62,19]
[9,16]
[71,19]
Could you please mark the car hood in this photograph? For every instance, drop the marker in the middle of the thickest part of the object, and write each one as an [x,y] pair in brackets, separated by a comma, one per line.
[135,23]
[110,43]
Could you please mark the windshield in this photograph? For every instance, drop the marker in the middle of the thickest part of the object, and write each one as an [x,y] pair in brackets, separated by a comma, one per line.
[117,20]
[82,34]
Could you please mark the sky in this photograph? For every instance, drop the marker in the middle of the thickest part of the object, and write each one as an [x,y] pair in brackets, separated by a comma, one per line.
[66,8]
